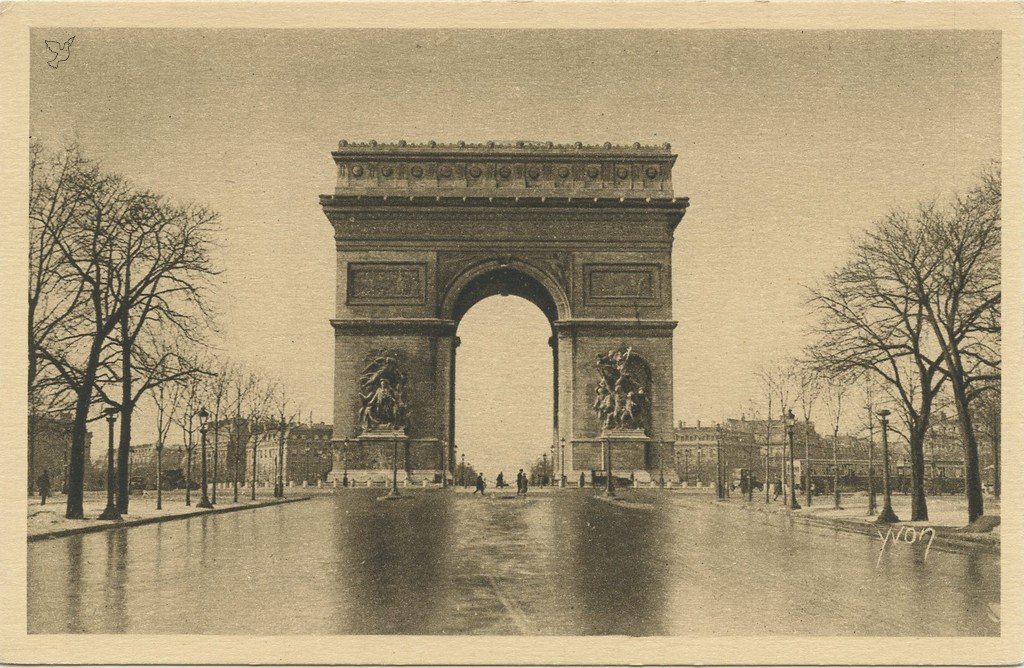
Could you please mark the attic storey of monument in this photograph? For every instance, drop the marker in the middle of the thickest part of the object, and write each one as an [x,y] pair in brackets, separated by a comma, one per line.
[423,232]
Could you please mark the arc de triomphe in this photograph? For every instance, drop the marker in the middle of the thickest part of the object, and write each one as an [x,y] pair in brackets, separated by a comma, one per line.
[423,232]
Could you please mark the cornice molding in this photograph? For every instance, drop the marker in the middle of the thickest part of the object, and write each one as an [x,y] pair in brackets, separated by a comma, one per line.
[658,328]
[625,200]
[412,326]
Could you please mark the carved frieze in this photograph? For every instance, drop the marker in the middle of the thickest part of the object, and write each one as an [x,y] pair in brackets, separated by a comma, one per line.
[520,168]
[622,283]
[387,283]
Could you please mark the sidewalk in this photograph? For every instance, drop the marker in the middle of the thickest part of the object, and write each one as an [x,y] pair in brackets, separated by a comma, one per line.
[946,514]
[49,522]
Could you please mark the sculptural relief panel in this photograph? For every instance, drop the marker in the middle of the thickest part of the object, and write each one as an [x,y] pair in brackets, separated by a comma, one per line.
[387,283]
[622,284]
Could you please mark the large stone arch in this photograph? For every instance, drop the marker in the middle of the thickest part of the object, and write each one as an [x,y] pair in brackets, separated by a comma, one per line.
[423,232]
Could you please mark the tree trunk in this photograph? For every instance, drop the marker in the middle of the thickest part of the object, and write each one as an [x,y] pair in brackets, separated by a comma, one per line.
[972,469]
[836,496]
[234,484]
[32,448]
[76,464]
[918,504]
[123,454]
[872,505]
[997,443]
[807,461]
[125,442]
[188,477]
[216,433]
[159,478]
[254,444]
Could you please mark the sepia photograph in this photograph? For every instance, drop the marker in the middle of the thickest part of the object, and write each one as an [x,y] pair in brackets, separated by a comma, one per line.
[661,333]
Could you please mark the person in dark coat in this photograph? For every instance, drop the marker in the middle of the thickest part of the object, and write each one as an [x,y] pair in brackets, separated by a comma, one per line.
[479,484]
[583,480]
[44,486]
[519,482]
[526,481]
[500,481]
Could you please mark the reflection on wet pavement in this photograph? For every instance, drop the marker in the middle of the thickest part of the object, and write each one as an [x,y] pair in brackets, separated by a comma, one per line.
[562,563]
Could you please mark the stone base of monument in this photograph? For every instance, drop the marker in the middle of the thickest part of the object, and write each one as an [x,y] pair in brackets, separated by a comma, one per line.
[630,448]
[369,456]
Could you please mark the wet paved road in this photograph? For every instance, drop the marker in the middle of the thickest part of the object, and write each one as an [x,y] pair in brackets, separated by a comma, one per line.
[561,563]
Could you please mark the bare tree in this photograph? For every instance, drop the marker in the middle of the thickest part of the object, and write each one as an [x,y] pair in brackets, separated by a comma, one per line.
[988,414]
[868,382]
[163,255]
[777,381]
[220,385]
[166,412]
[89,268]
[870,320]
[256,409]
[834,394]
[113,257]
[961,299]
[768,387]
[809,388]
[52,304]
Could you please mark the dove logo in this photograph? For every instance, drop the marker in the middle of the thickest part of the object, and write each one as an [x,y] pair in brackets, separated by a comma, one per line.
[61,52]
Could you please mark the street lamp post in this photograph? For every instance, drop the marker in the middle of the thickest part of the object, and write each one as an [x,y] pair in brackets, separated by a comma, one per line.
[279,483]
[807,460]
[887,516]
[110,512]
[790,422]
[344,474]
[561,460]
[872,502]
[609,485]
[394,469]
[462,471]
[661,463]
[720,484]
[203,414]
[444,464]
[686,466]
[544,470]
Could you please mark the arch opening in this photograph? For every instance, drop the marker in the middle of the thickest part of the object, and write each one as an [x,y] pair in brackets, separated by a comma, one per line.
[503,386]
[504,281]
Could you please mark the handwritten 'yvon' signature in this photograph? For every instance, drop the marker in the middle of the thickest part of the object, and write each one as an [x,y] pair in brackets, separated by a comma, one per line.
[908,535]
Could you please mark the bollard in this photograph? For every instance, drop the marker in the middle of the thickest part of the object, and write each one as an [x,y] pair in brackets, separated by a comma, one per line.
[335,483]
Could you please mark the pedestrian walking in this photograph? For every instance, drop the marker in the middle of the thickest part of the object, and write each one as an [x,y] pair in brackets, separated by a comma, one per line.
[43,482]
[520,481]
[526,483]
[583,480]
[500,481]
[480,485]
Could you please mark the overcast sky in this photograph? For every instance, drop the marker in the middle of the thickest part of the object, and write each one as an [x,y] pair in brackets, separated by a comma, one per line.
[788,142]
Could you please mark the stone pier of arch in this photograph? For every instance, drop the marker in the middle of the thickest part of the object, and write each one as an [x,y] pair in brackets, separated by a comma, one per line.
[423,232]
